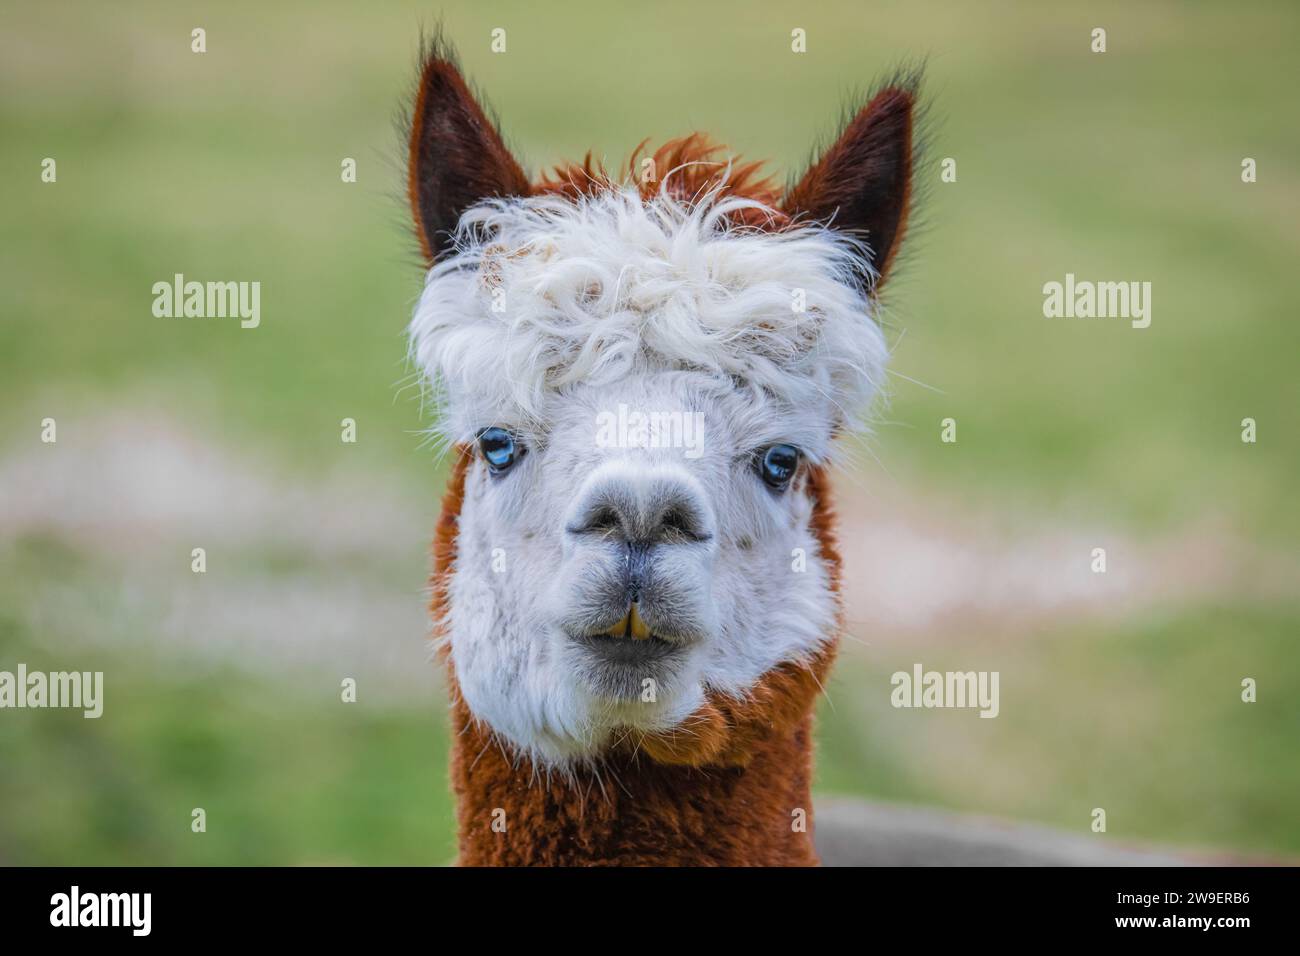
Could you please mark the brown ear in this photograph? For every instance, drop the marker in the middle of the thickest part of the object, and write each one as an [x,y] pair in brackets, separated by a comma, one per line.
[457,156]
[863,182]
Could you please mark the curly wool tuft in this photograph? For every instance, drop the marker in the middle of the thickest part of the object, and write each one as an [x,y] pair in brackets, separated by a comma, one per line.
[541,293]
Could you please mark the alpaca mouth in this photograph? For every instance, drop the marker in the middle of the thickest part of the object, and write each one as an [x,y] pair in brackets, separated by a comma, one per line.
[632,626]
[630,640]
[628,649]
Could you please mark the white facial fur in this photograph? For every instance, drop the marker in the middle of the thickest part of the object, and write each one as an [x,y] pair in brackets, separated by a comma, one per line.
[549,317]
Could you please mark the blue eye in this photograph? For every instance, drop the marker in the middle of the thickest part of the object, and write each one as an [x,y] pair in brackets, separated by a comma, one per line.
[777,464]
[499,449]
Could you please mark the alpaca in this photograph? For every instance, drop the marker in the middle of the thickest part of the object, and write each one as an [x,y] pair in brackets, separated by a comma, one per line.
[634,637]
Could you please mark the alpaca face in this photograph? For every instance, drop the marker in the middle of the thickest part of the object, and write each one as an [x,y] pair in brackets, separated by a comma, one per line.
[599,590]
[645,383]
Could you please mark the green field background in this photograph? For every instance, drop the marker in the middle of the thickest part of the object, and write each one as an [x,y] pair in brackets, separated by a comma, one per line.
[223,688]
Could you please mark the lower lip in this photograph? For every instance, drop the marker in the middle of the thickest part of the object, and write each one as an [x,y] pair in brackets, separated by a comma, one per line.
[625,650]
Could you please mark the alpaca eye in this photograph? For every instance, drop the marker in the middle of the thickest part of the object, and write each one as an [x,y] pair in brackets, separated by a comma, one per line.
[777,464]
[499,449]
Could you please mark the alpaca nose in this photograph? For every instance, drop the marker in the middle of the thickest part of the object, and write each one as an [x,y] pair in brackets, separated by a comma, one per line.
[642,538]
[642,511]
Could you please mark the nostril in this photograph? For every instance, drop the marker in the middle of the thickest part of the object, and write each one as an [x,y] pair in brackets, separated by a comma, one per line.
[603,520]
[680,521]
[676,522]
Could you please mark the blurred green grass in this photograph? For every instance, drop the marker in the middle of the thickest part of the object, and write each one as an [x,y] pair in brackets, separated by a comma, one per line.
[282,776]
[1151,727]
[1122,166]
[284,772]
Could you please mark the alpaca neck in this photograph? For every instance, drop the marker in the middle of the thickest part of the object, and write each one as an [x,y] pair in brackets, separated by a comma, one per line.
[634,811]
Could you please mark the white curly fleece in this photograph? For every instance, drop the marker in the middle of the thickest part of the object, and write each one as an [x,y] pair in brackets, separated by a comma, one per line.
[543,292]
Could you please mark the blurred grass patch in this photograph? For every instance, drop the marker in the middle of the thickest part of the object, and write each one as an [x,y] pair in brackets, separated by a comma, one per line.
[283,776]
[1145,720]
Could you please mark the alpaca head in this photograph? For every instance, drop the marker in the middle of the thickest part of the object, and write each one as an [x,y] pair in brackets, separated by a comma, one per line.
[645,374]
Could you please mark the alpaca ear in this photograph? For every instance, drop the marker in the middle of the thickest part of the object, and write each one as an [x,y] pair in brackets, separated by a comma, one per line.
[457,156]
[863,183]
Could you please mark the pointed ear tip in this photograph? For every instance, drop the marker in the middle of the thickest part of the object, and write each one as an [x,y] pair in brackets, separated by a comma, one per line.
[438,67]
[893,98]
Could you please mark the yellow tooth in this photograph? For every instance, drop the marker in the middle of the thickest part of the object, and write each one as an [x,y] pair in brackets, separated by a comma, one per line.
[639,629]
[619,629]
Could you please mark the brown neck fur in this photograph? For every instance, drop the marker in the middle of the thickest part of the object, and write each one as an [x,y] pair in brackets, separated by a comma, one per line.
[732,788]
